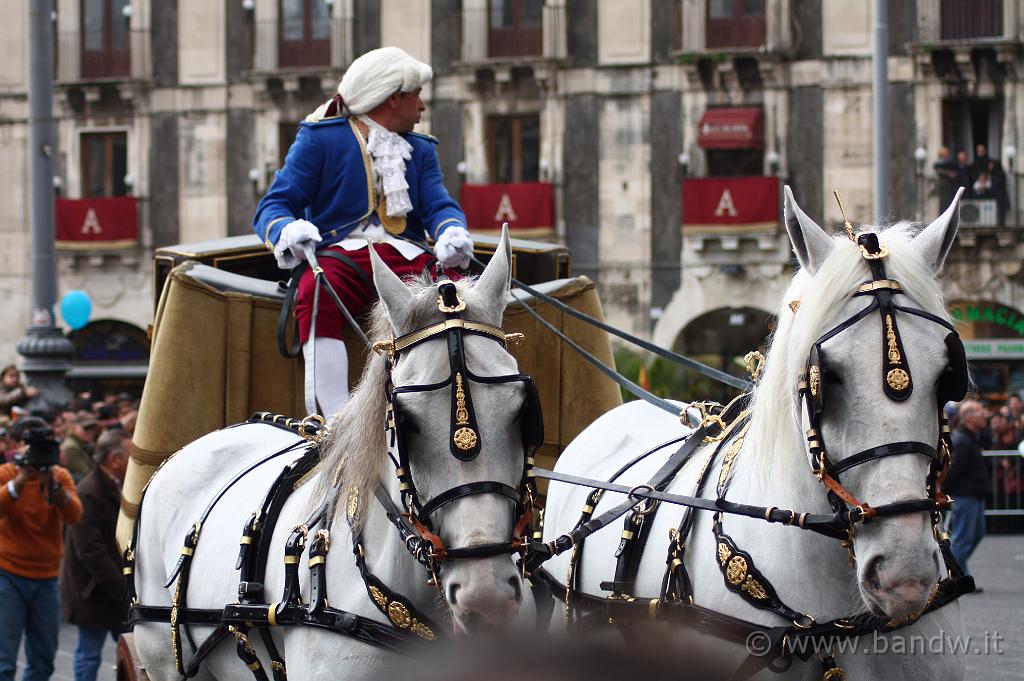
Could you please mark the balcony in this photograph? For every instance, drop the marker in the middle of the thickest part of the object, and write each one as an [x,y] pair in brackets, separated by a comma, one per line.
[513,31]
[97,224]
[969,19]
[103,56]
[721,213]
[307,45]
[527,207]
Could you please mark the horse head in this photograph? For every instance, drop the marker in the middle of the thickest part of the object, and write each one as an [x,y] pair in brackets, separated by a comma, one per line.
[872,358]
[457,407]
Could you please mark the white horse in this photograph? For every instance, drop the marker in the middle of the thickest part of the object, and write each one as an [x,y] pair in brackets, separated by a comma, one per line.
[476,591]
[897,558]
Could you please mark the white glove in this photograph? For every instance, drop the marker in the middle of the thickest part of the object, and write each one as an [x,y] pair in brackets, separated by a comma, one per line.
[296,236]
[454,247]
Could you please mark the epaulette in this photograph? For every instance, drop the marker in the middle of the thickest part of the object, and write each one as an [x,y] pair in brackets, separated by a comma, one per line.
[326,121]
[424,136]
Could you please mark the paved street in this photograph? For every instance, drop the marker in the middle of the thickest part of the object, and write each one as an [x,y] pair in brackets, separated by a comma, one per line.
[998,567]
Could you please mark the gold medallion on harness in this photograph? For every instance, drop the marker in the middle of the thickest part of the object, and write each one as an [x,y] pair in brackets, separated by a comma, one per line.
[465,438]
[422,630]
[754,588]
[897,379]
[814,378]
[736,571]
[379,598]
[399,615]
[723,552]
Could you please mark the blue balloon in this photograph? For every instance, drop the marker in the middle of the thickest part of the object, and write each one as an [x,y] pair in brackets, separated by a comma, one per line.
[75,308]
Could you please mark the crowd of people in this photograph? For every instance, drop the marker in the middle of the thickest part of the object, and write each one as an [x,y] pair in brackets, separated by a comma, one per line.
[60,491]
[976,428]
[982,177]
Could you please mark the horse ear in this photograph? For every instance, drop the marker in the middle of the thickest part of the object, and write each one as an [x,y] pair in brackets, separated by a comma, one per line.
[810,242]
[494,282]
[394,294]
[936,239]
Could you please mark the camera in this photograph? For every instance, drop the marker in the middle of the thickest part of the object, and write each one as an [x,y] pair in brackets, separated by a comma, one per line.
[43,451]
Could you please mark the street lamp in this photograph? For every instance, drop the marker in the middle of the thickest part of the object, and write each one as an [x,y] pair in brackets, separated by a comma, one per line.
[684,163]
[920,156]
[1010,154]
[774,161]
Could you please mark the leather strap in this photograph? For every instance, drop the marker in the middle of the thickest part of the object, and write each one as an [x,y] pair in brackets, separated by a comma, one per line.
[880,452]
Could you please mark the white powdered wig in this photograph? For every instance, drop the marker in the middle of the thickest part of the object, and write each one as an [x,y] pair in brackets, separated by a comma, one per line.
[374,77]
[776,416]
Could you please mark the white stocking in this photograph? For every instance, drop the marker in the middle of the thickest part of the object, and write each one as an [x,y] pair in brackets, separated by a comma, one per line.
[326,380]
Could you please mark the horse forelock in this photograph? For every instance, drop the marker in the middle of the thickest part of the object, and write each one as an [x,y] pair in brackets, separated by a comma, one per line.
[356,446]
[775,432]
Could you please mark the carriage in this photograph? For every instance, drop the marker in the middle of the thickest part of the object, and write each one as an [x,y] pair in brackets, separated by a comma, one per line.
[745,573]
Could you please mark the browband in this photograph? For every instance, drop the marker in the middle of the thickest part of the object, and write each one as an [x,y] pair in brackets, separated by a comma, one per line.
[410,339]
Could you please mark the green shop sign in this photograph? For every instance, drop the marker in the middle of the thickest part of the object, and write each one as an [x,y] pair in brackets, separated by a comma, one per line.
[994,348]
[994,314]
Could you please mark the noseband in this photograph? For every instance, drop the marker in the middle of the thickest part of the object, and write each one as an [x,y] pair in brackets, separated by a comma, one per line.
[465,441]
[897,383]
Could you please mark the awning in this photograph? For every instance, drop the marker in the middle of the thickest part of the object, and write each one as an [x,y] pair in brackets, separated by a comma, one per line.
[734,128]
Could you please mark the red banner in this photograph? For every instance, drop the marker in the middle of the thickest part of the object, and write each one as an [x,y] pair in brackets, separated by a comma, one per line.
[108,222]
[731,204]
[527,207]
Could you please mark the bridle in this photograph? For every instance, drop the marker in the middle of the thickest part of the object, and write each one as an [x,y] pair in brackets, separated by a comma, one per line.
[898,384]
[414,519]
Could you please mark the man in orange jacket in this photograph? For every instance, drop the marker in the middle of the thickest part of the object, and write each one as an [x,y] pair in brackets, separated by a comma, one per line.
[37,498]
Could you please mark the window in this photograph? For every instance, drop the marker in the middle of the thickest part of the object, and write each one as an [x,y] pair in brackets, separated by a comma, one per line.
[304,33]
[971,19]
[735,23]
[105,47]
[104,164]
[514,27]
[735,162]
[513,148]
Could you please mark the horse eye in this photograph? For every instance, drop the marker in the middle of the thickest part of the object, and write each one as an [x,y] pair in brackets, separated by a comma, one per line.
[831,377]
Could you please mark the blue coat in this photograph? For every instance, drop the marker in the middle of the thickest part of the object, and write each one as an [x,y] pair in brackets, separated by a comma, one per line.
[325,181]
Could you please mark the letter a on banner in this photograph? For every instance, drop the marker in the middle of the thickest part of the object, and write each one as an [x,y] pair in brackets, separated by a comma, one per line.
[91,224]
[726,205]
[505,211]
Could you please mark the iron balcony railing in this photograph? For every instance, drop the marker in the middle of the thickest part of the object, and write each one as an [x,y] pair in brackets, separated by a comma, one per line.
[309,45]
[510,30]
[103,55]
[1006,477]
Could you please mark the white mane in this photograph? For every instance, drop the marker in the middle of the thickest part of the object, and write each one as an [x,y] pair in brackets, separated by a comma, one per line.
[776,424]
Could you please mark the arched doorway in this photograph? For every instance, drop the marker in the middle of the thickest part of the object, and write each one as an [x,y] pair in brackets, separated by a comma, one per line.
[720,338]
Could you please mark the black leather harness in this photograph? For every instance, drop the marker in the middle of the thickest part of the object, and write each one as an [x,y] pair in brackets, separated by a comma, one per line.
[739,571]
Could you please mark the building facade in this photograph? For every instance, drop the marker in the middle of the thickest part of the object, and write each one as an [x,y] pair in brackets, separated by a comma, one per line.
[650,136]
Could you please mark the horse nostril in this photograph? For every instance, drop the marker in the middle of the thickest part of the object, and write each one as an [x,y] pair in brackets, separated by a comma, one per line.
[517,588]
[872,570]
[453,589]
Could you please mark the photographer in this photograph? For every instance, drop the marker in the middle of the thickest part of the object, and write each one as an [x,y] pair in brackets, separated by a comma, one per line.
[37,499]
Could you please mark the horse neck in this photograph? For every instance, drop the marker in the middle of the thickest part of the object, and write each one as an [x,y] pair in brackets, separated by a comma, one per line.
[388,559]
[797,556]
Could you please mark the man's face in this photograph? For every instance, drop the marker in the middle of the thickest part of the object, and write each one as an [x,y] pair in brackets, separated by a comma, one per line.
[408,108]
[980,151]
[961,157]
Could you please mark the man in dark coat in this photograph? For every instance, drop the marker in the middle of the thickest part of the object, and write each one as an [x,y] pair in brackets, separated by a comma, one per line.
[967,482]
[92,586]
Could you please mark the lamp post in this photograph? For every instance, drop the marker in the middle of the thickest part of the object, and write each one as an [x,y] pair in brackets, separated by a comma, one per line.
[1010,154]
[45,351]
[920,156]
